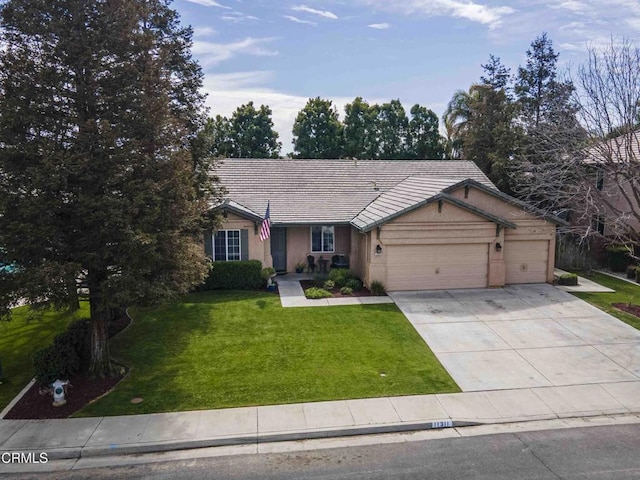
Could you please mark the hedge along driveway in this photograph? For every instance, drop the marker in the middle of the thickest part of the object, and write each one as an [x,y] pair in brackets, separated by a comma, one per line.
[230,349]
[24,335]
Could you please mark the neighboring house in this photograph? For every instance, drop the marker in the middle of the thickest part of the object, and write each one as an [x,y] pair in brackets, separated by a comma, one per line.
[613,201]
[410,224]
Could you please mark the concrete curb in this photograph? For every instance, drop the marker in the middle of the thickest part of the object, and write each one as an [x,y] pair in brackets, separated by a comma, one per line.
[159,447]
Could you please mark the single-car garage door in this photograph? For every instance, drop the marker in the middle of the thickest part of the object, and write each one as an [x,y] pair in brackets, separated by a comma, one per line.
[432,267]
[526,261]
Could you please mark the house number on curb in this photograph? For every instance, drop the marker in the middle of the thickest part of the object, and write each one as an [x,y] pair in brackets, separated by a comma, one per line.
[442,424]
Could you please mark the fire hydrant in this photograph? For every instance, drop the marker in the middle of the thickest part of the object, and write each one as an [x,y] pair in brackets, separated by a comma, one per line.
[58,392]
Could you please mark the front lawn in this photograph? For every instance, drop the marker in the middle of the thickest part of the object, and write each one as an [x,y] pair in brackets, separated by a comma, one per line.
[625,292]
[231,349]
[21,337]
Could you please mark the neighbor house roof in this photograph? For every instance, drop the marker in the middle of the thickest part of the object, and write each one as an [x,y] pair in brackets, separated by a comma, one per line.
[330,191]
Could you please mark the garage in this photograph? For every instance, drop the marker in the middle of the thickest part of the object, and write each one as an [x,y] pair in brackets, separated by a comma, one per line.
[425,267]
[526,261]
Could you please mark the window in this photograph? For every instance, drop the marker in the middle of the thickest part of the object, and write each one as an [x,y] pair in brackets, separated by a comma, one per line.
[599,179]
[322,239]
[597,223]
[226,245]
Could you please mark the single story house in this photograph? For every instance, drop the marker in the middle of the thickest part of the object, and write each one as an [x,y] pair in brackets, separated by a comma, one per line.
[412,225]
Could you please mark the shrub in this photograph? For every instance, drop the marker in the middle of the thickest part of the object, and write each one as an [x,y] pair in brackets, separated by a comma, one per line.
[568,279]
[315,293]
[242,275]
[340,276]
[346,291]
[377,288]
[329,285]
[267,272]
[631,271]
[618,257]
[354,284]
[64,357]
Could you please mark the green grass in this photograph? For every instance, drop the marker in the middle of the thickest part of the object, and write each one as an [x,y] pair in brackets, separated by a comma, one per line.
[230,349]
[26,333]
[625,292]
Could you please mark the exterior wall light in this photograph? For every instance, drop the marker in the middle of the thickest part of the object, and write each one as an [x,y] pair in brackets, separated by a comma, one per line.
[498,247]
[378,249]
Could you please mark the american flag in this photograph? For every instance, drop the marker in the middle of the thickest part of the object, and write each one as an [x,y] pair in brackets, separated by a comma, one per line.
[265,230]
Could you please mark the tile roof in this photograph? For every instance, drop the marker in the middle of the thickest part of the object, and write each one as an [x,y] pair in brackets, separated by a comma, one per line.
[330,191]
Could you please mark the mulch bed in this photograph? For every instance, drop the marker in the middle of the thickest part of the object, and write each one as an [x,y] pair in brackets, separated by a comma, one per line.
[625,307]
[336,291]
[80,391]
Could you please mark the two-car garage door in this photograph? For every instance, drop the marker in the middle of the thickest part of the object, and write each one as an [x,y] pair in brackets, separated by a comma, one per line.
[424,267]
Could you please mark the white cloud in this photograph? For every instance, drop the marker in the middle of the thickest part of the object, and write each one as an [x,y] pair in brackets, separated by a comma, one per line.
[237,17]
[297,20]
[208,3]
[236,80]
[322,13]
[210,53]
[203,31]
[380,26]
[475,12]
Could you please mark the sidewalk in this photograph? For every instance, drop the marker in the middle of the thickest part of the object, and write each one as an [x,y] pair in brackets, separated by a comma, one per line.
[135,434]
[292,295]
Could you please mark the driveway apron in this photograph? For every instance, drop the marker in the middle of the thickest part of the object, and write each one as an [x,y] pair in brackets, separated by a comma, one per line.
[522,337]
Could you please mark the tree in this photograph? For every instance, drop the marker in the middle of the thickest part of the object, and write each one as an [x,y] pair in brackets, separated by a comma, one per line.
[392,131]
[360,130]
[317,131]
[423,135]
[480,124]
[103,175]
[219,131]
[251,133]
[593,169]
[542,98]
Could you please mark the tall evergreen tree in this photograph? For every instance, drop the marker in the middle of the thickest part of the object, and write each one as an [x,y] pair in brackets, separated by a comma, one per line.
[317,131]
[392,130]
[103,176]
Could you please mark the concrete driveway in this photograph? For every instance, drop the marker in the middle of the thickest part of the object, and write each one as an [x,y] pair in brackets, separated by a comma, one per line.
[521,337]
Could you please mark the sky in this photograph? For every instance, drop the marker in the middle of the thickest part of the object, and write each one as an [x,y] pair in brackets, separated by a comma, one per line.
[281,53]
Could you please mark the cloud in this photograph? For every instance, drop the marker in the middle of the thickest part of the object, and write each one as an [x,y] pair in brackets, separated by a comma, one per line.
[208,3]
[210,53]
[297,20]
[237,17]
[203,31]
[322,13]
[475,12]
[236,80]
[380,26]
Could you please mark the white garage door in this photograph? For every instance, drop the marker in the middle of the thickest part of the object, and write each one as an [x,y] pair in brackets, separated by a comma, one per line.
[526,261]
[433,267]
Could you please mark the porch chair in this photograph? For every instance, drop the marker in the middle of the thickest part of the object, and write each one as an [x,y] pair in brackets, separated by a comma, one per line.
[311,263]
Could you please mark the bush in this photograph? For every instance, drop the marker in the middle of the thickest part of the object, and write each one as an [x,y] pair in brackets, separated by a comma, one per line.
[267,272]
[329,285]
[346,291]
[377,288]
[631,271]
[618,257]
[354,284]
[568,279]
[315,293]
[340,276]
[242,275]
[64,357]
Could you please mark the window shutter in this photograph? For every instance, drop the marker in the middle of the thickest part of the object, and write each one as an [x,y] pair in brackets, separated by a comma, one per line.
[244,244]
[208,243]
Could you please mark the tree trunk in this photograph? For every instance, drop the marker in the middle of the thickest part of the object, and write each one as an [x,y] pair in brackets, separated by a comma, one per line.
[100,365]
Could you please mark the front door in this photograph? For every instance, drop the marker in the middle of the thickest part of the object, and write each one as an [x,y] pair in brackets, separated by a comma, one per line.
[279,249]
